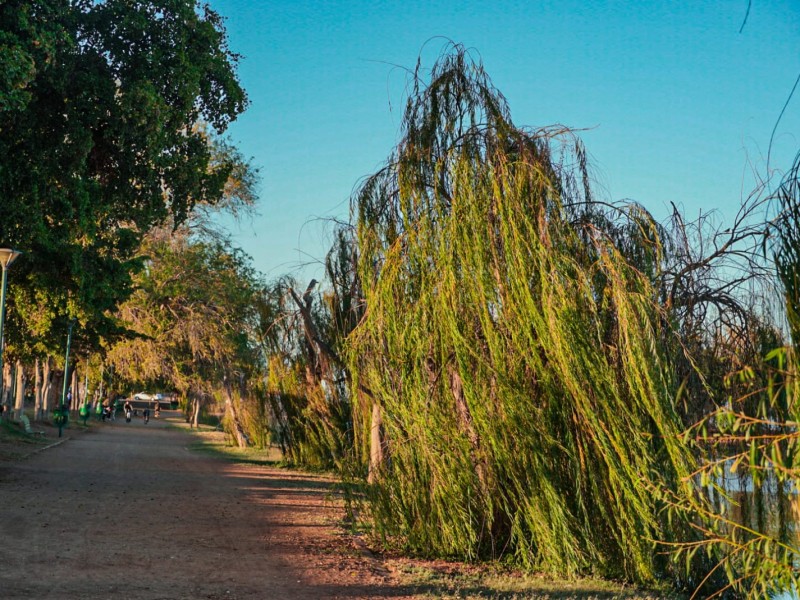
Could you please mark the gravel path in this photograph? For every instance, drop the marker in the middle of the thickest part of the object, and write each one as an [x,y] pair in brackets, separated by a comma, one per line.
[128,511]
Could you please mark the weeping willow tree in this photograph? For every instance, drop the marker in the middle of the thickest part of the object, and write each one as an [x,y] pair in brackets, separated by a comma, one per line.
[306,381]
[752,470]
[787,252]
[509,346]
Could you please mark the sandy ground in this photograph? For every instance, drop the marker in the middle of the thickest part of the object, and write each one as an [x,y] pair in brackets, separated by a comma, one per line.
[128,511]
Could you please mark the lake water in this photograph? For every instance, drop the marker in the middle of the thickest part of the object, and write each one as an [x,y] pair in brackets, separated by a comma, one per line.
[772,508]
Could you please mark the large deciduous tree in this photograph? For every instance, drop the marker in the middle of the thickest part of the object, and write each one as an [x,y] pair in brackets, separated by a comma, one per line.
[106,114]
[194,313]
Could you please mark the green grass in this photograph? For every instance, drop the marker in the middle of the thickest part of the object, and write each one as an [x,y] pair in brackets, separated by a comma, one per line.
[211,442]
[13,432]
[487,582]
[16,444]
[268,457]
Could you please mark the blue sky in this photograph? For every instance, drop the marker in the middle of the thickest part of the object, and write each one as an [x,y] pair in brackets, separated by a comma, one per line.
[678,105]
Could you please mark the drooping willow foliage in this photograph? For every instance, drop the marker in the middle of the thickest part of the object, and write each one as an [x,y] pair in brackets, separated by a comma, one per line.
[787,253]
[306,386]
[300,399]
[509,357]
[752,466]
[745,509]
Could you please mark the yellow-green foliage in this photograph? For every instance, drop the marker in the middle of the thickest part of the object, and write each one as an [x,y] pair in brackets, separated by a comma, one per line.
[512,348]
[307,421]
[752,443]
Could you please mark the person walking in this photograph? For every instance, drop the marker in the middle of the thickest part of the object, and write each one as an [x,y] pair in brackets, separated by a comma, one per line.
[84,411]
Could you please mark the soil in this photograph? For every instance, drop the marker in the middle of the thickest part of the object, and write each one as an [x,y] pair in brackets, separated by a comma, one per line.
[128,511]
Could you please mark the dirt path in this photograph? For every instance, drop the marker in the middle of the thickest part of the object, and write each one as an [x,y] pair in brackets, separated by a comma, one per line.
[127,511]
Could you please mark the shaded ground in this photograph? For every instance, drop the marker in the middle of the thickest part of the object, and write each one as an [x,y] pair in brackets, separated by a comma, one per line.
[128,511]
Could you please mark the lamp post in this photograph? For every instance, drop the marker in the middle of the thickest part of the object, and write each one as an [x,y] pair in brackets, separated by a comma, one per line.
[7,256]
[62,415]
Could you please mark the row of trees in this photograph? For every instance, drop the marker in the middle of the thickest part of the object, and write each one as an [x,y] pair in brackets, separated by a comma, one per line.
[500,363]
[111,114]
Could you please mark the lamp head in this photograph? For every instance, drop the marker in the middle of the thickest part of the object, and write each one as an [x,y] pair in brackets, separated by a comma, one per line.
[8,256]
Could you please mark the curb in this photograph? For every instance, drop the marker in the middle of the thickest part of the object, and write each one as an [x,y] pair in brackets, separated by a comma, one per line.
[43,448]
[53,445]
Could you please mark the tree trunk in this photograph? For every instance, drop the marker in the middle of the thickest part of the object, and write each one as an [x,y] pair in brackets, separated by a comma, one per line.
[19,389]
[230,407]
[5,397]
[467,427]
[74,402]
[85,386]
[56,388]
[321,353]
[102,377]
[280,417]
[47,387]
[196,412]
[376,454]
[37,390]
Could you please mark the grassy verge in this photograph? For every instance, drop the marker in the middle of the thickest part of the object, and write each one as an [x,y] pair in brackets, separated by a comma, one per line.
[211,442]
[15,444]
[467,582]
[13,433]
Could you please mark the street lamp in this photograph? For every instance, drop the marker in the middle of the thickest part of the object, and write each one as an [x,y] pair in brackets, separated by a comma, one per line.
[7,256]
[61,420]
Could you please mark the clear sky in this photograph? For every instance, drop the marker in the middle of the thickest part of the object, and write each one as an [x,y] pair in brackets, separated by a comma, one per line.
[678,104]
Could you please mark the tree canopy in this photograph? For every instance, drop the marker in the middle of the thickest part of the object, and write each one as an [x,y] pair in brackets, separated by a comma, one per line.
[107,116]
[193,310]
